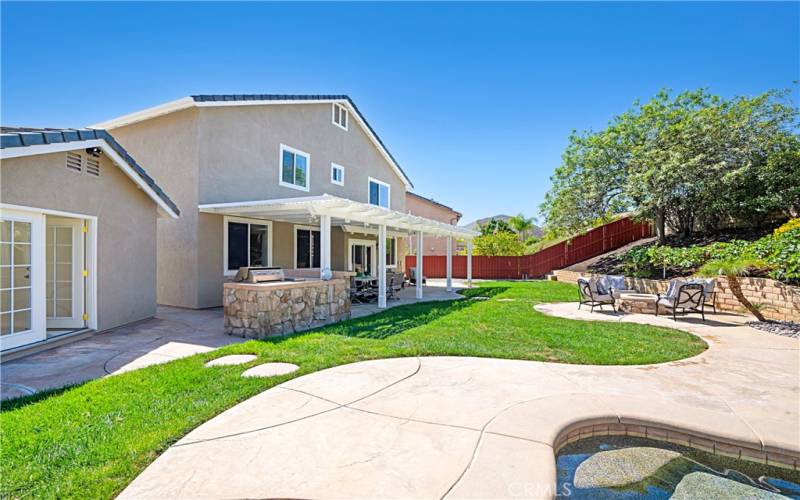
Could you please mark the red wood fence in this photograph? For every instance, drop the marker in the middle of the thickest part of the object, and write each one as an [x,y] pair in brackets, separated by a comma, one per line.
[590,244]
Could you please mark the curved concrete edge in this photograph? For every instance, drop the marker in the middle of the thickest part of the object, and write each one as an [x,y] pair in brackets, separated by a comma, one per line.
[516,454]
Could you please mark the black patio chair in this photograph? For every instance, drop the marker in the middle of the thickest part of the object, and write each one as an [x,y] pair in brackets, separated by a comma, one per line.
[588,294]
[689,297]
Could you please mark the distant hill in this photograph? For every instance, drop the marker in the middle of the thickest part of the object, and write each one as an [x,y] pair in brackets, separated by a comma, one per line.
[474,225]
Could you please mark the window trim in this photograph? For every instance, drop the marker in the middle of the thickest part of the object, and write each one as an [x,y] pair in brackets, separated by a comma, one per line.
[294,247]
[347,114]
[294,151]
[248,221]
[388,189]
[334,166]
[392,265]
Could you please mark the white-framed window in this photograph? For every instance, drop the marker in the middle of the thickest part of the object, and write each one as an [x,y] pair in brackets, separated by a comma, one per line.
[295,168]
[307,247]
[337,174]
[247,242]
[379,193]
[339,116]
[391,252]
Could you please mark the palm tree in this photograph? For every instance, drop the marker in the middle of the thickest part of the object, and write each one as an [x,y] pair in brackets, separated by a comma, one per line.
[522,225]
[733,269]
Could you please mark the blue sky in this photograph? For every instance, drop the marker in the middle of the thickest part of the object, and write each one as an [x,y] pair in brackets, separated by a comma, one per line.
[475,100]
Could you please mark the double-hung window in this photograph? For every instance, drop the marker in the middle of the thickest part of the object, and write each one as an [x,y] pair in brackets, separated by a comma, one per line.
[337,174]
[379,193]
[339,117]
[247,243]
[295,166]
[306,247]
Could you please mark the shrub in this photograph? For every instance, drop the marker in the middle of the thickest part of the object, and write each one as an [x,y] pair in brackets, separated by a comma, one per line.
[780,251]
[792,224]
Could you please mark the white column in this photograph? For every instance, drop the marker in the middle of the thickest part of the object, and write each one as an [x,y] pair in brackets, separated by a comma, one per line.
[381,266]
[449,263]
[325,271]
[419,264]
[469,263]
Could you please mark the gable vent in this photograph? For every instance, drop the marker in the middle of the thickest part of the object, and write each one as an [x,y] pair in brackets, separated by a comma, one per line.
[93,167]
[74,162]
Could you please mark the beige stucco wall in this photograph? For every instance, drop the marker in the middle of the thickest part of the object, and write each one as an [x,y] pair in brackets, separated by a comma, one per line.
[126,233]
[227,154]
[239,148]
[424,208]
[167,148]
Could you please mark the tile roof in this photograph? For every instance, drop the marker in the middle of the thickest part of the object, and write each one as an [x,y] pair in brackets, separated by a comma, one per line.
[13,137]
[300,97]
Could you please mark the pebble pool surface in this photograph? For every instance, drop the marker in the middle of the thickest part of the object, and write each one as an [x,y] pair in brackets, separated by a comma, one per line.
[626,467]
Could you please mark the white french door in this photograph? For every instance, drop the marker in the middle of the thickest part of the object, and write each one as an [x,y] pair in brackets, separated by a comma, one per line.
[21,278]
[65,282]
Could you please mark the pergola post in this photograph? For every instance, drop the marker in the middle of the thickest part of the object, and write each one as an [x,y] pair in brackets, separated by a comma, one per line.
[381,266]
[469,263]
[419,264]
[325,271]
[449,263]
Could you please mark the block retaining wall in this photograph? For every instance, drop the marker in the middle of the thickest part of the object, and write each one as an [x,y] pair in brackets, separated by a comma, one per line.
[780,301]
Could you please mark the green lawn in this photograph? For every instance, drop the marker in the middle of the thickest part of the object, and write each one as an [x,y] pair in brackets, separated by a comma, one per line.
[91,440]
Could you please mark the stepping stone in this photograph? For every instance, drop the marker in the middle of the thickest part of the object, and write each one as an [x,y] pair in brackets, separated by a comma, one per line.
[232,359]
[615,468]
[270,370]
[705,485]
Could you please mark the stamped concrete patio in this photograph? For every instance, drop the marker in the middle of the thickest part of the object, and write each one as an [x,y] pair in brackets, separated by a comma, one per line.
[483,428]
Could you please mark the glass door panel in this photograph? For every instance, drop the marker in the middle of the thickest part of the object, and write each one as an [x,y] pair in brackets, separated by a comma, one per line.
[20,320]
[64,273]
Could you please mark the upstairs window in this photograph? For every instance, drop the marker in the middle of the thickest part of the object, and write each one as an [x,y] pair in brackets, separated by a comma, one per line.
[294,168]
[379,193]
[337,174]
[340,116]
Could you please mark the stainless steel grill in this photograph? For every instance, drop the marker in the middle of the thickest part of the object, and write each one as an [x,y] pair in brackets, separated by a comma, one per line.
[259,274]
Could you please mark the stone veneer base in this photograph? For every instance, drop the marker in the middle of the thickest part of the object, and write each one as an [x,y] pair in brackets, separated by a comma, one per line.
[280,308]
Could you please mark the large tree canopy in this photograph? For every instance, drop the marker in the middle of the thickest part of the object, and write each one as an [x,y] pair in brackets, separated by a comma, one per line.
[690,160]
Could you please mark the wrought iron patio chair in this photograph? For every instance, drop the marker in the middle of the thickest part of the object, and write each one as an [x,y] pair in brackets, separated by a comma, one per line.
[588,295]
[688,297]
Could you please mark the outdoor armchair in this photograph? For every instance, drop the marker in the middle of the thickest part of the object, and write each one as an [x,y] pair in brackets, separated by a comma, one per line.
[688,297]
[589,295]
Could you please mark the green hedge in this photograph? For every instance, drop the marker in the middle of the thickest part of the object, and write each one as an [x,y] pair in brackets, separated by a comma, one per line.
[781,251]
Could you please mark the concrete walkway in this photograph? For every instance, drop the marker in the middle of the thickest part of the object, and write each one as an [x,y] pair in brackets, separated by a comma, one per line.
[483,428]
[173,333]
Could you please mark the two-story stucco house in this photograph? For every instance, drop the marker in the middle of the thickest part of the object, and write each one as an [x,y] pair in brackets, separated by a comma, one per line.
[294,181]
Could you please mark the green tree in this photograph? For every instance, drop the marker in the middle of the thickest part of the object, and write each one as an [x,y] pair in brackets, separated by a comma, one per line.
[502,243]
[495,226]
[522,225]
[683,161]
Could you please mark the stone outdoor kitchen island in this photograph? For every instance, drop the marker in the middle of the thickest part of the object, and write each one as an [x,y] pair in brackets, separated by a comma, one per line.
[260,310]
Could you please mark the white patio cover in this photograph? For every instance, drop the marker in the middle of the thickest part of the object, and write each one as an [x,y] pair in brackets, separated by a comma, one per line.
[307,209]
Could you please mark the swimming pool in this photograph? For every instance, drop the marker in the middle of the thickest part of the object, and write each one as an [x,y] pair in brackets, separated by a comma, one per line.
[622,467]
